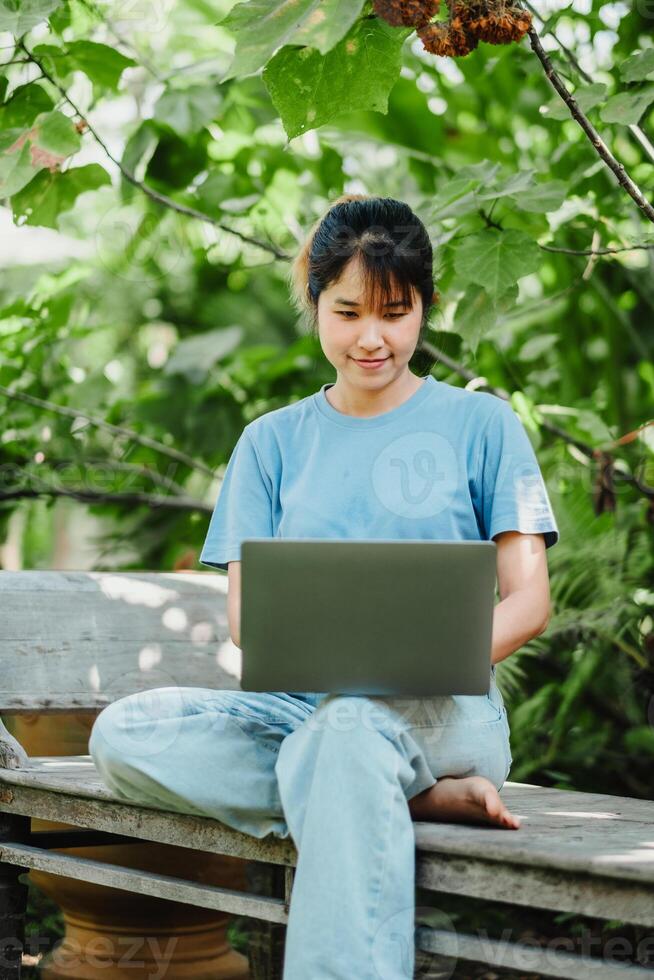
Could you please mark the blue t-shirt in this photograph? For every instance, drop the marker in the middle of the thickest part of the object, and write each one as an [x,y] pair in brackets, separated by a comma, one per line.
[447,464]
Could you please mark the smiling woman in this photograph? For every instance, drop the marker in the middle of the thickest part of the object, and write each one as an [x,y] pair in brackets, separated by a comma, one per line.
[364,278]
[378,454]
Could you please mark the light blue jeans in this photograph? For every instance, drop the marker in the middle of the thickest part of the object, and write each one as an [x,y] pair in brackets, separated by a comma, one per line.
[334,771]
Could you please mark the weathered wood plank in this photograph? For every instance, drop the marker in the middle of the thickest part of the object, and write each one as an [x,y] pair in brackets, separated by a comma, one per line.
[524,958]
[145,882]
[144,823]
[131,631]
[590,833]
[596,833]
[533,887]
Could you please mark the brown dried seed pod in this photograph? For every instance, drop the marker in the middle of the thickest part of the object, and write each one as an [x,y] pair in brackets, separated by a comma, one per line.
[406,13]
[467,11]
[463,41]
[439,39]
[501,27]
[436,39]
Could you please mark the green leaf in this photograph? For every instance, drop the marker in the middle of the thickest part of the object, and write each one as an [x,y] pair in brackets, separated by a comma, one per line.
[262,27]
[586,98]
[50,194]
[639,66]
[26,103]
[627,107]
[23,152]
[548,196]
[514,184]
[103,64]
[496,259]
[20,16]
[188,110]
[309,89]
[477,313]
[456,197]
[57,134]
[196,355]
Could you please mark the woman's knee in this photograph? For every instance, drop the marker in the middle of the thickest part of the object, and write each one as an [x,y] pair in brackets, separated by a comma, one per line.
[135,725]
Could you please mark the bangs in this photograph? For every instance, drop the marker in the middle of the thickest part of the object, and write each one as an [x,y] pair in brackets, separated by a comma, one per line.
[384,282]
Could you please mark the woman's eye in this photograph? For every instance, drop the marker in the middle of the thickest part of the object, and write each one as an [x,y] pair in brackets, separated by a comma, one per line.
[350,313]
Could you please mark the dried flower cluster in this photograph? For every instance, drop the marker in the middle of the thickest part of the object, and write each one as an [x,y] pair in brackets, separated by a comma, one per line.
[468,23]
[406,13]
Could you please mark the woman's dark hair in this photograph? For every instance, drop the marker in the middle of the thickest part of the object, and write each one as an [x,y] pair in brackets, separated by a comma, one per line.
[385,236]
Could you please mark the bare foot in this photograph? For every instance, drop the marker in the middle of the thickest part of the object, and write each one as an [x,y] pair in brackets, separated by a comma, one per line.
[468,799]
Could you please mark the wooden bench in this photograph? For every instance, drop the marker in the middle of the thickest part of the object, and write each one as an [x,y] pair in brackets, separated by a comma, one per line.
[78,640]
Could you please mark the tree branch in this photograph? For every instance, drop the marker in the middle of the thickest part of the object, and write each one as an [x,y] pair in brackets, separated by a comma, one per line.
[602,149]
[95,496]
[633,127]
[120,430]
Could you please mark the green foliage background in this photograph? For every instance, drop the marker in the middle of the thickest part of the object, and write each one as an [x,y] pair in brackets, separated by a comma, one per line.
[188,146]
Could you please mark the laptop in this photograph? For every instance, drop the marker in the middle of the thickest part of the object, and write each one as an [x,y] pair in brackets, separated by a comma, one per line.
[400,617]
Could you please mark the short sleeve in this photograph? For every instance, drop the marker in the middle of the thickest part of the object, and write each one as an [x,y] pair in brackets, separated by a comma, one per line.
[243,509]
[513,493]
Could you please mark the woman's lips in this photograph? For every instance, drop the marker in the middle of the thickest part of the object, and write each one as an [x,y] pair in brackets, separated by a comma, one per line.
[370,365]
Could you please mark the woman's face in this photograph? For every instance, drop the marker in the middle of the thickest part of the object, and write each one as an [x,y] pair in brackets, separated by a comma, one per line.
[349,333]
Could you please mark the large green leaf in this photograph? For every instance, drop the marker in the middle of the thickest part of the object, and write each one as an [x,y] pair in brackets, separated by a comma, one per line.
[20,16]
[262,27]
[103,64]
[309,89]
[50,194]
[628,107]
[496,259]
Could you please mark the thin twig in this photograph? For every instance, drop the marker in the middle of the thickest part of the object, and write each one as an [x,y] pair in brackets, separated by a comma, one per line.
[595,251]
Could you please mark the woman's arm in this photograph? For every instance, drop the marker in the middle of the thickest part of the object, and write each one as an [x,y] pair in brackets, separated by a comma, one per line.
[234,601]
[524,607]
